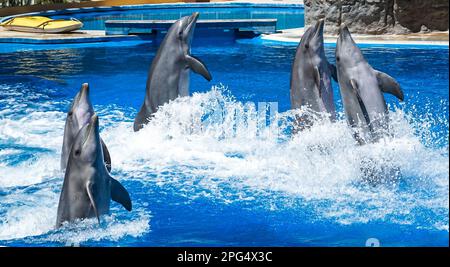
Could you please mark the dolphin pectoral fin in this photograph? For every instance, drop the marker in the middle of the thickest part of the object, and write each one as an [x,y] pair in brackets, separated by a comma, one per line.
[360,101]
[106,156]
[333,71]
[197,66]
[389,85]
[91,198]
[317,80]
[120,195]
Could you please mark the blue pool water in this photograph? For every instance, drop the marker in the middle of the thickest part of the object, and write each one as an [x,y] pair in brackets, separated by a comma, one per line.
[287,15]
[216,186]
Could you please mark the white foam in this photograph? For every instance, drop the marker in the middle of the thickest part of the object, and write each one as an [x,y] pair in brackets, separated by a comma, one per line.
[33,214]
[37,130]
[322,164]
[28,213]
[228,160]
[111,229]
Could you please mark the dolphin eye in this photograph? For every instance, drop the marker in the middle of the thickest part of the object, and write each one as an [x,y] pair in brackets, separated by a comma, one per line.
[77,152]
[338,58]
[70,113]
[306,46]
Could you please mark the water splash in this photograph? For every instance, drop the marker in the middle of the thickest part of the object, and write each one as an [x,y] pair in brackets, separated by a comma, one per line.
[186,148]
[318,166]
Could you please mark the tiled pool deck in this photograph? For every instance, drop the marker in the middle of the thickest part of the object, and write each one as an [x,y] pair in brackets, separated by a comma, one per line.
[288,35]
[92,34]
[65,38]
[434,38]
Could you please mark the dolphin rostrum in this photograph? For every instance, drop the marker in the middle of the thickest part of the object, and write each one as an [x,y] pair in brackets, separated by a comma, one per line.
[311,75]
[168,76]
[79,115]
[362,89]
[88,188]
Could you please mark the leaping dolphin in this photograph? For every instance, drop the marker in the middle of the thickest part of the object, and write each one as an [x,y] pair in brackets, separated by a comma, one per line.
[88,187]
[168,76]
[79,115]
[362,89]
[311,75]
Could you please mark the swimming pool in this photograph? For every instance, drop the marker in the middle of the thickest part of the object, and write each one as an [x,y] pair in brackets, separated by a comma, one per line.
[287,15]
[219,186]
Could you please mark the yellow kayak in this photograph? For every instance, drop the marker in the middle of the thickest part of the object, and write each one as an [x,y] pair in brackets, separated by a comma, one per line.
[41,24]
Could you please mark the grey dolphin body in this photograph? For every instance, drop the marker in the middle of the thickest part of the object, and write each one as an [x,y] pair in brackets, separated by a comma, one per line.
[168,76]
[88,187]
[311,74]
[361,89]
[79,115]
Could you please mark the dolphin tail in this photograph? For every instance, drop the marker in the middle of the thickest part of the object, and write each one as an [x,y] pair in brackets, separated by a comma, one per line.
[120,195]
[106,156]
[198,66]
[389,85]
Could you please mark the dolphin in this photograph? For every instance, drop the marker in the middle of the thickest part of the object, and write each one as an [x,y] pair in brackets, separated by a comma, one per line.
[168,76]
[88,187]
[79,115]
[361,88]
[311,75]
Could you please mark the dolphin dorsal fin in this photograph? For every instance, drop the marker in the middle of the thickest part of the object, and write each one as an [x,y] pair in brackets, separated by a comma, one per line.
[354,85]
[119,194]
[389,85]
[197,66]
[317,80]
[90,193]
